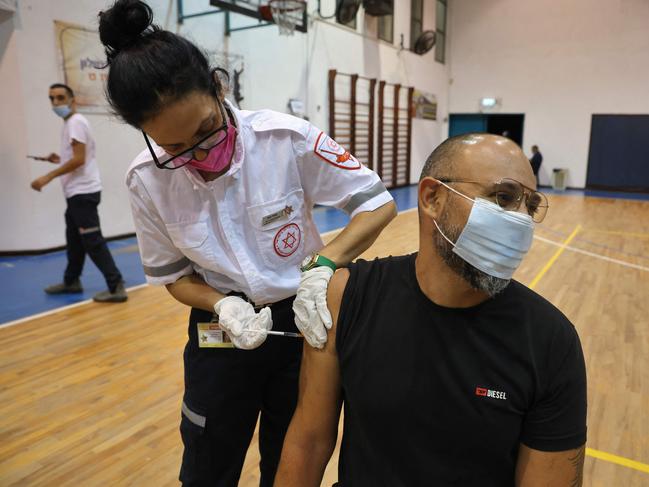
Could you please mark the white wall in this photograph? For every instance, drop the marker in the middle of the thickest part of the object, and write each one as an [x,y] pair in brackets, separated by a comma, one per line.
[29,63]
[276,69]
[558,62]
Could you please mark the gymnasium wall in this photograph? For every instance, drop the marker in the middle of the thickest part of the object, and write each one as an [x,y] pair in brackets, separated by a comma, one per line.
[558,62]
[276,69]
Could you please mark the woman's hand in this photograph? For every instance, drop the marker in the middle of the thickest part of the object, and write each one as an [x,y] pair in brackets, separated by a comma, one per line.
[246,329]
[312,315]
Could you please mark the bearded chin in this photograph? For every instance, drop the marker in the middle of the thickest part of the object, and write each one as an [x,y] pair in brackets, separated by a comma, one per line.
[476,278]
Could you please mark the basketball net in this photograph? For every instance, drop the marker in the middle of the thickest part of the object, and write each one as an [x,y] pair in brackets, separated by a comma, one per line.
[287,14]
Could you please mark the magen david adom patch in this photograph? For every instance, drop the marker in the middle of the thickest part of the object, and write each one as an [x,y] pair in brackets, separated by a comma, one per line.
[287,240]
[328,149]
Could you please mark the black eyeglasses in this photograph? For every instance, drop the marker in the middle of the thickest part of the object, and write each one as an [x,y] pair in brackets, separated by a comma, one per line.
[509,194]
[205,145]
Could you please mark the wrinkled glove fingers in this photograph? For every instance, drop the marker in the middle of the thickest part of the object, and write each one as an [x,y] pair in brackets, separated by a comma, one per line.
[316,337]
[323,310]
[301,316]
[231,325]
[266,318]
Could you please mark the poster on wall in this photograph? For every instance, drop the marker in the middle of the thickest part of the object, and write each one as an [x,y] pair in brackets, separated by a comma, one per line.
[82,58]
[424,105]
[233,64]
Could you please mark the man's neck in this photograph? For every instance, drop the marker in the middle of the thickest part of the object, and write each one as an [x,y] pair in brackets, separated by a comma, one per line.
[69,116]
[442,285]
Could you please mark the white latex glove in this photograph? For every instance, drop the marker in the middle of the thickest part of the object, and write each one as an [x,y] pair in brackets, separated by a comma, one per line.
[312,315]
[246,329]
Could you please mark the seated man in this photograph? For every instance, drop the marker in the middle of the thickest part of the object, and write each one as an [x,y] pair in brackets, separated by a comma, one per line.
[450,372]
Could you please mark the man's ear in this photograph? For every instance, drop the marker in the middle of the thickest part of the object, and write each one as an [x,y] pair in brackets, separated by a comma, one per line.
[431,197]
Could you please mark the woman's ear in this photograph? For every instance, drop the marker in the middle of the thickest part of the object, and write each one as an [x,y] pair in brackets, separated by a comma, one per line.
[217,74]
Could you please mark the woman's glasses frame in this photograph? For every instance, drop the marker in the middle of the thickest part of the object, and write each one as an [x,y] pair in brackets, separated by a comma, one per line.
[190,152]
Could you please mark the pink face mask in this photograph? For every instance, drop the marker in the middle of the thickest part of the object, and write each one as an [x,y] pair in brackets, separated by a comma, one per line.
[218,157]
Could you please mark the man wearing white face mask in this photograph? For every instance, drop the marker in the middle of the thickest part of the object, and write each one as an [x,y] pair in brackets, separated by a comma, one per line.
[79,176]
[451,372]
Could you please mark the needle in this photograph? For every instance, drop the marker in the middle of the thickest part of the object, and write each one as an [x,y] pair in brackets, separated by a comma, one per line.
[285,334]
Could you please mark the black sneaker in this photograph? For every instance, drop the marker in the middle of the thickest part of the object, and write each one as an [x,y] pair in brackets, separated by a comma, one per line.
[63,288]
[117,296]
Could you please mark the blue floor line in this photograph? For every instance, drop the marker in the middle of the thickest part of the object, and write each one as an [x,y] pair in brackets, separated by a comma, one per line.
[23,278]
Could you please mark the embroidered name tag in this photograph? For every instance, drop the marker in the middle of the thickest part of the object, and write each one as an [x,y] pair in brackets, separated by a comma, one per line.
[278,215]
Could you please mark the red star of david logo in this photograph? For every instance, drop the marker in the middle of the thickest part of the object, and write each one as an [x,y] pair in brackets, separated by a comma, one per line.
[289,241]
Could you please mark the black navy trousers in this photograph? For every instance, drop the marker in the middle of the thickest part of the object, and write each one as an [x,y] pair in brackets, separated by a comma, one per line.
[226,389]
[83,236]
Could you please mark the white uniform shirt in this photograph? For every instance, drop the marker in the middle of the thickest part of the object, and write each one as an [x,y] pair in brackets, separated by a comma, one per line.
[84,179]
[248,230]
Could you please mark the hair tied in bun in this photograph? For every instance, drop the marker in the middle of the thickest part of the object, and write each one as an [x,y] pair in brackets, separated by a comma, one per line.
[123,25]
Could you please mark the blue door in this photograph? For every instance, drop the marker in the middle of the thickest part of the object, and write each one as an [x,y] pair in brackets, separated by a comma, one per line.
[465,124]
[619,152]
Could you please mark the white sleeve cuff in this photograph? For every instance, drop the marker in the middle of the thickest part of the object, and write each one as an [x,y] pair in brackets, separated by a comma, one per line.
[373,203]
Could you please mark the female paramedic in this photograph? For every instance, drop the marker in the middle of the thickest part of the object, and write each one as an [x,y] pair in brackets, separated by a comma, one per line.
[222,202]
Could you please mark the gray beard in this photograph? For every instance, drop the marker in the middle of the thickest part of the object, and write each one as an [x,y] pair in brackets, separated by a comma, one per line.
[476,278]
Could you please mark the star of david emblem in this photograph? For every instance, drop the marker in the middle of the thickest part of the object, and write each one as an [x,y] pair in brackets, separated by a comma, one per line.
[288,210]
[289,241]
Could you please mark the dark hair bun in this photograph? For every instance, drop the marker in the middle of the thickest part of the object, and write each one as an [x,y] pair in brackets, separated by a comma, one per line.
[123,25]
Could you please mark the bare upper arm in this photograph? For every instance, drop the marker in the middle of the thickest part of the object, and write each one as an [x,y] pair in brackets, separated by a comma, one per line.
[536,468]
[319,400]
[79,151]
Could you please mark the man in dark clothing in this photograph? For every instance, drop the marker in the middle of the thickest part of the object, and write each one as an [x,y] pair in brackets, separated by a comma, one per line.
[451,373]
[535,161]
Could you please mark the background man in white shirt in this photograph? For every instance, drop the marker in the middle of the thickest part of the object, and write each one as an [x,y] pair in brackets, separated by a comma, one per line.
[79,177]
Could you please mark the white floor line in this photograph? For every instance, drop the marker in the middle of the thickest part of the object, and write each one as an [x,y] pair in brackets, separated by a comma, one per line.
[593,254]
[63,308]
[80,303]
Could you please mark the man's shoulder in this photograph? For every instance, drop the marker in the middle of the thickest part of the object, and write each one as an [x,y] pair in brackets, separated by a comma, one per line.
[372,278]
[77,123]
[389,263]
[79,120]
[361,271]
[543,318]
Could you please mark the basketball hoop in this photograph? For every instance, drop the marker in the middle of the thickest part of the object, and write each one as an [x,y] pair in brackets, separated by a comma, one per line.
[287,14]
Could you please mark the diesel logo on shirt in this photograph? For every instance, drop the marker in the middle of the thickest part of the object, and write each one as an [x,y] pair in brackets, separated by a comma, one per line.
[481,391]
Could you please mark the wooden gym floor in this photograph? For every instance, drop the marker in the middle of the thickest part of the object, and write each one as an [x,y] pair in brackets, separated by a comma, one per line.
[90,395]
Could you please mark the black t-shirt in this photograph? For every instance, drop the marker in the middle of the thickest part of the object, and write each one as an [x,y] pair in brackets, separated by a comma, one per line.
[437,396]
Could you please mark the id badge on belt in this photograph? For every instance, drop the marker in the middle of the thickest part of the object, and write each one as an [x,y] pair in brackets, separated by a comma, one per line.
[210,335]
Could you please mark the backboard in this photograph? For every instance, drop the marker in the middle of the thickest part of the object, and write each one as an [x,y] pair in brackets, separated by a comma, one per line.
[250,8]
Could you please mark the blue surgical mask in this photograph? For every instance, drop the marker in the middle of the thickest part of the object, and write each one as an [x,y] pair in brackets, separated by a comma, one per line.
[62,110]
[493,240]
